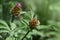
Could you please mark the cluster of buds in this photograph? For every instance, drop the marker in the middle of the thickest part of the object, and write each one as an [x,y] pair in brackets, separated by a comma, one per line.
[16,10]
[34,23]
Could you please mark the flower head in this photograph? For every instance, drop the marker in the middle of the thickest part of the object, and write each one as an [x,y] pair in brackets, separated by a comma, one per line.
[17,9]
[34,23]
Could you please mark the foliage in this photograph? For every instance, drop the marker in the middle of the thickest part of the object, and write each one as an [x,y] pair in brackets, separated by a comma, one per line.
[46,11]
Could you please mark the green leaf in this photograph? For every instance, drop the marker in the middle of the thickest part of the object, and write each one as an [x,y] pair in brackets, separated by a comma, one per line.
[10,38]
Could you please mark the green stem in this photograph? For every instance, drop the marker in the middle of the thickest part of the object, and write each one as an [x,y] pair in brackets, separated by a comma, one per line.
[6,11]
[13,17]
[26,34]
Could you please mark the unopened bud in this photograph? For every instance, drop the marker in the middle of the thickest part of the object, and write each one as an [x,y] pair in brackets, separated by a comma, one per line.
[34,23]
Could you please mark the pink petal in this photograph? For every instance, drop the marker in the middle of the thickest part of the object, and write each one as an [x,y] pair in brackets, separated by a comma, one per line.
[18,4]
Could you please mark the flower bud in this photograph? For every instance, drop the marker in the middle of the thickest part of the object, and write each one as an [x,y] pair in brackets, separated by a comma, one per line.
[16,10]
[34,23]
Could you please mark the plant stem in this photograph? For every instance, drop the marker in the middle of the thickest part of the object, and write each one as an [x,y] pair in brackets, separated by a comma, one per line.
[6,12]
[26,34]
[12,18]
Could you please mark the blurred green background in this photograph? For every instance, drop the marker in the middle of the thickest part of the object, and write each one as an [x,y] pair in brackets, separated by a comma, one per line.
[47,11]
